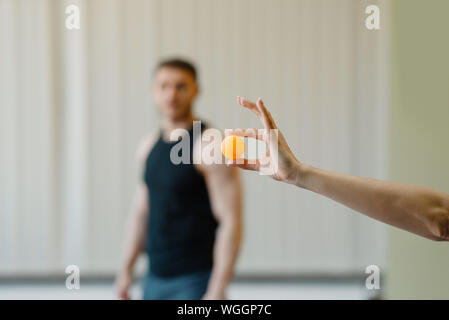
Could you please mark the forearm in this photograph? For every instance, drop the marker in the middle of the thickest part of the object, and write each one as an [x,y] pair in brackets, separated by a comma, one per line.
[420,210]
[226,250]
[134,241]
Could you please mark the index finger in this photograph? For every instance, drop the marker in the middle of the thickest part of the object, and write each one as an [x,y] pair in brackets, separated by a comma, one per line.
[266,114]
[260,111]
[254,133]
[249,105]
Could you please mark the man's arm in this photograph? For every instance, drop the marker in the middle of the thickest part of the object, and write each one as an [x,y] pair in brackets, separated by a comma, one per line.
[225,193]
[134,241]
[417,209]
[136,225]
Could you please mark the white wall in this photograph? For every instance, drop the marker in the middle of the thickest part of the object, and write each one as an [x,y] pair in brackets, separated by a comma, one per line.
[75,103]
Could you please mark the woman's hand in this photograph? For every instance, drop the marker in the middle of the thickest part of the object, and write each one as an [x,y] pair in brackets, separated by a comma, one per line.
[278,161]
[416,209]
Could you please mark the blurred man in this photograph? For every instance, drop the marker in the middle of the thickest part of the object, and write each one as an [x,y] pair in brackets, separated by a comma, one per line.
[186,217]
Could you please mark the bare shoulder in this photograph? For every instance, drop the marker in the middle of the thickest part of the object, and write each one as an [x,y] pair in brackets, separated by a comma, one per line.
[206,137]
[209,143]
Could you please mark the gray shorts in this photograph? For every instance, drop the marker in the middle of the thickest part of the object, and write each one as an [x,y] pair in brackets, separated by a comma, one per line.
[190,286]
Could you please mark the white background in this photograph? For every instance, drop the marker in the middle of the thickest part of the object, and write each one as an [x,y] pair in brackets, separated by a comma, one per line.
[74,104]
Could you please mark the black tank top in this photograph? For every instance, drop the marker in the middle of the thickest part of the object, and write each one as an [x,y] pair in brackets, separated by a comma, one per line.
[181,226]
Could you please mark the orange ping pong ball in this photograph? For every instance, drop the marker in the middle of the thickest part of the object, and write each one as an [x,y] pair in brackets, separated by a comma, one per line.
[232,147]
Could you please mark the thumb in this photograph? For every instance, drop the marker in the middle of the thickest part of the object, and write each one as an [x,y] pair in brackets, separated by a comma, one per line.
[246,164]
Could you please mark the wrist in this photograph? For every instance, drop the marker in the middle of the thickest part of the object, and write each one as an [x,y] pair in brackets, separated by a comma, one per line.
[215,293]
[300,173]
[216,287]
[127,268]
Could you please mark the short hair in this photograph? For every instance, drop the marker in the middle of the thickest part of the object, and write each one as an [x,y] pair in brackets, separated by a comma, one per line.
[177,63]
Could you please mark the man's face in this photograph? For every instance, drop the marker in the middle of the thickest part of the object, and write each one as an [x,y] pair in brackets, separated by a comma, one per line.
[174,91]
